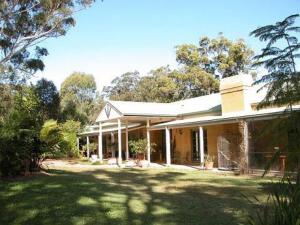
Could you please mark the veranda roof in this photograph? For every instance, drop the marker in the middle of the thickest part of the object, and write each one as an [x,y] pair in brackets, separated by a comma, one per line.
[228,118]
[107,128]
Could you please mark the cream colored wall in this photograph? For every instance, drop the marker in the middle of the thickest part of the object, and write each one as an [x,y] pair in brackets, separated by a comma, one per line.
[213,132]
[183,144]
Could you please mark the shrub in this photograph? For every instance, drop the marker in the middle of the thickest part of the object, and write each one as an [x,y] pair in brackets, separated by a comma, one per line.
[19,144]
[282,206]
[140,146]
[69,131]
[51,137]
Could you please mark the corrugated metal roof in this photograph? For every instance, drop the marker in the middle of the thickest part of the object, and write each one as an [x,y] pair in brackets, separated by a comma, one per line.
[208,120]
[128,108]
[193,105]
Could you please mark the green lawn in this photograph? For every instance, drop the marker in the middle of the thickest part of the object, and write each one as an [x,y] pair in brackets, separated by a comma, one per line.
[128,196]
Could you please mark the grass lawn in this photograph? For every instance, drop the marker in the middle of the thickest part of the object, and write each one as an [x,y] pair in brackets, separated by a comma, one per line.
[128,196]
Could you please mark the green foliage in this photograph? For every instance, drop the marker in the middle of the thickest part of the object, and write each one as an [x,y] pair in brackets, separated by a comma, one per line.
[123,87]
[140,146]
[69,133]
[219,56]
[193,82]
[20,147]
[51,137]
[23,108]
[158,86]
[282,83]
[282,206]
[79,97]
[278,57]
[48,96]
[6,99]
[162,85]
[26,23]
[60,140]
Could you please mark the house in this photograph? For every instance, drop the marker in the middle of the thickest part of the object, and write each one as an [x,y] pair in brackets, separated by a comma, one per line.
[223,125]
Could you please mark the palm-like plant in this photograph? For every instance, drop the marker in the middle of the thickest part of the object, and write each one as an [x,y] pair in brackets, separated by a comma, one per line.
[279,58]
[282,83]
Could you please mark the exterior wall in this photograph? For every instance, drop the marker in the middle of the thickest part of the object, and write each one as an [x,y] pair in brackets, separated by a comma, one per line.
[213,132]
[182,145]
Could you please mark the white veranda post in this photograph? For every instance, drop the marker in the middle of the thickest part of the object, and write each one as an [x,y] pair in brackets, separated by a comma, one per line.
[246,143]
[126,139]
[87,147]
[148,141]
[119,142]
[168,147]
[201,144]
[100,150]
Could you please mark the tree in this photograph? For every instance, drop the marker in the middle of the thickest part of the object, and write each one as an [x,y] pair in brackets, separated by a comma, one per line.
[158,86]
[282,81]
[24,24]
[78,97]
[194,82]
[123,87]
[165,85]
[220,56]
[6,100]
[48,96]
[20,146]
[282,84]
[162,85]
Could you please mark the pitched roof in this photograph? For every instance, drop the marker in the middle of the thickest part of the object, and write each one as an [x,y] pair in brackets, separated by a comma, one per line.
[188,106]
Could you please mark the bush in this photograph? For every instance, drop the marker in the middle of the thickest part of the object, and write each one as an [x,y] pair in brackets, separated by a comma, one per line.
[60,140]
[282,206]
[51,137]
[19,145]
[140,146]
[69,131]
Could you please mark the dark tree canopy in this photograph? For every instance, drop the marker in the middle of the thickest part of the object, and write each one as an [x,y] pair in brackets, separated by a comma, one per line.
[48,96]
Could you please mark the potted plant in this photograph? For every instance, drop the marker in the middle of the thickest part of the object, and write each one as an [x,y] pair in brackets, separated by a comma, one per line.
[139,149]
[208,162]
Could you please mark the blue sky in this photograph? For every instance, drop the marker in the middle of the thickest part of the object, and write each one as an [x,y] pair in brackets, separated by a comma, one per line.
[116,36]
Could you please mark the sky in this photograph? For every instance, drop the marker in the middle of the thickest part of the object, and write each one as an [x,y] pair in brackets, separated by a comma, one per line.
[117,36]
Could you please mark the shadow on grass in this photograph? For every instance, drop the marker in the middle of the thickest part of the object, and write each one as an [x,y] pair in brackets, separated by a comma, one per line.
[128,196]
